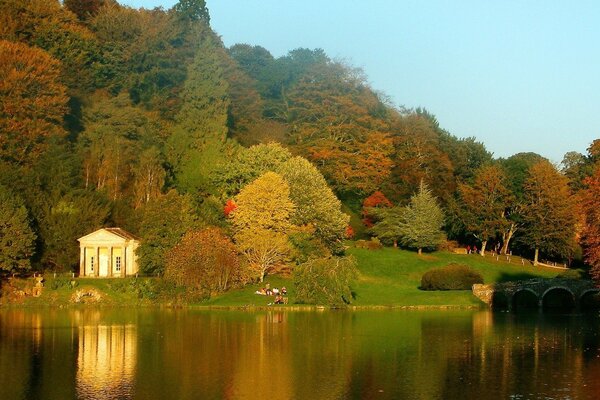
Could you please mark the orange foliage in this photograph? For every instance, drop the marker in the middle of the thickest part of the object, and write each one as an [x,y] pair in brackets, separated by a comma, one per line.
[349,232]
[377,199]
[229,207]
[32,101]
[591,228]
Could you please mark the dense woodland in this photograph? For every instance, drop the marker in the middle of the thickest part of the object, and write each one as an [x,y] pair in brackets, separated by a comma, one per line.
[143,119]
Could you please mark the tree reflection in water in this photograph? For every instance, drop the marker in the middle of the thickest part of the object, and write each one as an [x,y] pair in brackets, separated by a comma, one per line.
[178,354]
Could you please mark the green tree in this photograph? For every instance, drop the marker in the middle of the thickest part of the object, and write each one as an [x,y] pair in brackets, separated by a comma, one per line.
[315,203]
[261,222]
[387,223]
[192,9]
[149,176]
[66,218]
[548,215]
[325,281]
[164,221]
[16,236]
[248,164]
[422,221]
[199,144]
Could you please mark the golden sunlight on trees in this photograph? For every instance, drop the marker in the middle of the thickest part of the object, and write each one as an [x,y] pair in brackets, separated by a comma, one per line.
[261,222]
[32,101]
[204,262]
[331,110]
[548,214]
[485,204]
[591,226]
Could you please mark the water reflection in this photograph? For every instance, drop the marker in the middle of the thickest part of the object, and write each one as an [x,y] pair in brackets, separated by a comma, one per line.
[106,361]
[174,354]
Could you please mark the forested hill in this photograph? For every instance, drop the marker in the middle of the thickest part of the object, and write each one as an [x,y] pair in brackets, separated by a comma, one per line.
[106,111]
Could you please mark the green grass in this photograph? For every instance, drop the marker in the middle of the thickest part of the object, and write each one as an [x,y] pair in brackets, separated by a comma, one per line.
[391,277]
[387,277]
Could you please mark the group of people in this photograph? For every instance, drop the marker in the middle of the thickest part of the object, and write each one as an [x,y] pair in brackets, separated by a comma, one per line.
[278,293]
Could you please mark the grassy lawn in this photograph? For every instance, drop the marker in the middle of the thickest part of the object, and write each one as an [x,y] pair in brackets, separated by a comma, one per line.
[387,277]
[391,277]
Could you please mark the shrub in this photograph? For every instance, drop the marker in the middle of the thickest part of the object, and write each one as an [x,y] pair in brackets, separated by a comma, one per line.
[451,277]
[325,281]
[57,283]
[373,244]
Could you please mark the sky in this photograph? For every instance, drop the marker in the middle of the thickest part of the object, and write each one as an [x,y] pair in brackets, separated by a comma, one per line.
[518,76]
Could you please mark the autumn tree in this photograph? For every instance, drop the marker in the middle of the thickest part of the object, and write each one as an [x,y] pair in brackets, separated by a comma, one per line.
[261,222]
[485,203]
[418,157]
[164,221]
[16,236]
[591,226]
[375,200]
[336,126]
[205,262]
[33,101]
[84,9]
[548,215]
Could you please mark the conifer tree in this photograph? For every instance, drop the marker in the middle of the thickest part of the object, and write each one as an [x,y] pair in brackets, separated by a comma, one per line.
[16,237]
[422,221]
[199,143]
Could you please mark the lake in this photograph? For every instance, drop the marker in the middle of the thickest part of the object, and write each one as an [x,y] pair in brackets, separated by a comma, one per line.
[275,354]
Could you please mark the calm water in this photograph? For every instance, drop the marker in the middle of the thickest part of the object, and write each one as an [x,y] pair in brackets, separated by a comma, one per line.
[174,354]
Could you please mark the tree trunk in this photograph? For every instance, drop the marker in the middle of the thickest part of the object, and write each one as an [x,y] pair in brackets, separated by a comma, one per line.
[535,257]
[507,236]
[395,243]
[419,251]
[483,244]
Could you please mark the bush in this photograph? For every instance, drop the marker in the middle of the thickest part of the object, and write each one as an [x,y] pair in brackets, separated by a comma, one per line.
[57,283]
[205,262]
[451,277]
[325,281]
[373,244]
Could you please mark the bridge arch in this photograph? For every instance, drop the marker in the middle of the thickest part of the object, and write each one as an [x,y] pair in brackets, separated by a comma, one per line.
[525,299]
[590,299]
[559,298]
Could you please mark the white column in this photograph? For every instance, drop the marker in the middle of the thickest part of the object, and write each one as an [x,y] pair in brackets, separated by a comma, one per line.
[110,262]
[123,261]
[81,260]
[97,261]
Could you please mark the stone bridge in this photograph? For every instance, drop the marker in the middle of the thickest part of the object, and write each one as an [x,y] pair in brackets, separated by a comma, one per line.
[541,293]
